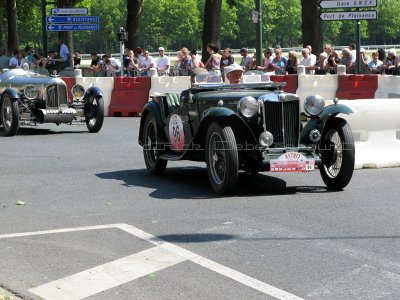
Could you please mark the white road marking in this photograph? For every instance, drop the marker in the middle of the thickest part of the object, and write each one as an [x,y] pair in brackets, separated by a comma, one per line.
[211,265]
[73,229]
[109,275]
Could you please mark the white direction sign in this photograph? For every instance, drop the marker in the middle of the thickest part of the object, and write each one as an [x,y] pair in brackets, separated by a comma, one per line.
[348,3]
[349,15]
[69,11]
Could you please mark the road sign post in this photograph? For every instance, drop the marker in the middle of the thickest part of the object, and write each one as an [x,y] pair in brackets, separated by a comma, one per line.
[357,15]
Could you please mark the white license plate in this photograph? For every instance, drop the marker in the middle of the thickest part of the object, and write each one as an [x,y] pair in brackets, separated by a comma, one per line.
[292,162]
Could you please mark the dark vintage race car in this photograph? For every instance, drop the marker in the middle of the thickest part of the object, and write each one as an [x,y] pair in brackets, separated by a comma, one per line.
[28,98]
[250,127]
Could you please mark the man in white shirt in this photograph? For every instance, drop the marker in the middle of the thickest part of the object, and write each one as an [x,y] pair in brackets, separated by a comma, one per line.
[147,63]
[162,63]
[308,61]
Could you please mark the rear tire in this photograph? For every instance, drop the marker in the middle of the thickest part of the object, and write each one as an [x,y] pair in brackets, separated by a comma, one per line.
[337,154]
[222,158]
[9,115]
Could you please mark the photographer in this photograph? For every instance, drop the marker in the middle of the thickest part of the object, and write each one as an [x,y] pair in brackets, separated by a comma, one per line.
[110,66]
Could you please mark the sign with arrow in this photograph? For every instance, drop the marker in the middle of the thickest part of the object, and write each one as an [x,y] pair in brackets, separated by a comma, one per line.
[349,15]
[71,27]
[72,19]
[348,3]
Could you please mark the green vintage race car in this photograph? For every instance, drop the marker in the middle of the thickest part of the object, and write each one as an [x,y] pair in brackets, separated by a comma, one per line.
[250,127]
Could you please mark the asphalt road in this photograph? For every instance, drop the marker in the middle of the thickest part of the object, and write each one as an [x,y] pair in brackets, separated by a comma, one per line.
[92,223]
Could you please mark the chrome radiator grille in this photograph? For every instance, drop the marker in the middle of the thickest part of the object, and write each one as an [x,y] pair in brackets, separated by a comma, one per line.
[282,120]
[56,95]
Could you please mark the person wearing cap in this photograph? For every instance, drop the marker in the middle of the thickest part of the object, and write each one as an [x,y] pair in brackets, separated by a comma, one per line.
[138,54]
[247,60]
[234,74]
[162,63]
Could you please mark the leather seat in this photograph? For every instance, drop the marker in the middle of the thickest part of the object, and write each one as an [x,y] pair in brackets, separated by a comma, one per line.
[173,102]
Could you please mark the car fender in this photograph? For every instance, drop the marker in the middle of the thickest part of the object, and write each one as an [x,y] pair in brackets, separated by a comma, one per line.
[154,109]
[12,92]
[227,116]
[320,121]
[92,91]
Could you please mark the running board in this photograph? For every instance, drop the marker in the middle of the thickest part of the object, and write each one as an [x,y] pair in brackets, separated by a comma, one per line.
[171,156]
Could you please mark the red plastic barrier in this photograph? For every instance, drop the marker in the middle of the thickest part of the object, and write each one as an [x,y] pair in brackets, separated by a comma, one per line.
[357,87]
[291,82]
[129,96]
[70,82]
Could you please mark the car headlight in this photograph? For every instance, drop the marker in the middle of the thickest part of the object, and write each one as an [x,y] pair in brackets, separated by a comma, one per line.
[314,105]
[248,106]
[31,92]
[78,91]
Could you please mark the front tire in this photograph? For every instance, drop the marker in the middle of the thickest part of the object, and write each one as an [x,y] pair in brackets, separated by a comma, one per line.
[337,154]
[222,158]
[95,115]
[154,164]
[9,116]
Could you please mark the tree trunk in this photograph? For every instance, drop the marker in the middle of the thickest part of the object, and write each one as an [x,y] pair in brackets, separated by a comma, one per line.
[13,42]
[133,22]
[312,25]
[212,25]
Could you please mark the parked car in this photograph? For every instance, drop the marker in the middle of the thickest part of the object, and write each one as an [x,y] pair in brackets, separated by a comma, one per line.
[250,127]
[28,98]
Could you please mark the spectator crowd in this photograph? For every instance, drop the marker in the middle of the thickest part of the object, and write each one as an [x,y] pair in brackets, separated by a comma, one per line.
[138,62]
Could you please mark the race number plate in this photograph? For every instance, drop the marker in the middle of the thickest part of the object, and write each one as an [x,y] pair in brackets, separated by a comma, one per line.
[292,162]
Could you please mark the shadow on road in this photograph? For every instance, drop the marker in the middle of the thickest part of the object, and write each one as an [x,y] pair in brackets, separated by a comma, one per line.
[192,183]
[196,237]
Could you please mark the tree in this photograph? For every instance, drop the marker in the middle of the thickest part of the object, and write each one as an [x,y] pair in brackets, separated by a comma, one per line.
[212,25]
[311,25]
[134,8]
[13,41]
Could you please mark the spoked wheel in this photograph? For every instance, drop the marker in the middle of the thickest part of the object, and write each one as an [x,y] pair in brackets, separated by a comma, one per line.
[95,116]
[337,154]
[9,116]
[154,164]
[222,158]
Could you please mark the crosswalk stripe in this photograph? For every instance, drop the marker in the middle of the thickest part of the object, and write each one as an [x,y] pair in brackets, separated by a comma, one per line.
[109,275]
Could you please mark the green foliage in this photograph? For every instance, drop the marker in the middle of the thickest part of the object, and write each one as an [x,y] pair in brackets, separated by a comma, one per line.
[173,24]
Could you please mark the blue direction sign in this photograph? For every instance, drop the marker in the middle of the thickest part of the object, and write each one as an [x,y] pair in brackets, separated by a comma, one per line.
[71,27]
[72,19]
[69,11]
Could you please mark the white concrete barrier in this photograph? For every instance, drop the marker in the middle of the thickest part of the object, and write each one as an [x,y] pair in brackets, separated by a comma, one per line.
[323,85]
[169,84]
[106,84]
[376,129]
[256,78]
[388,87]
